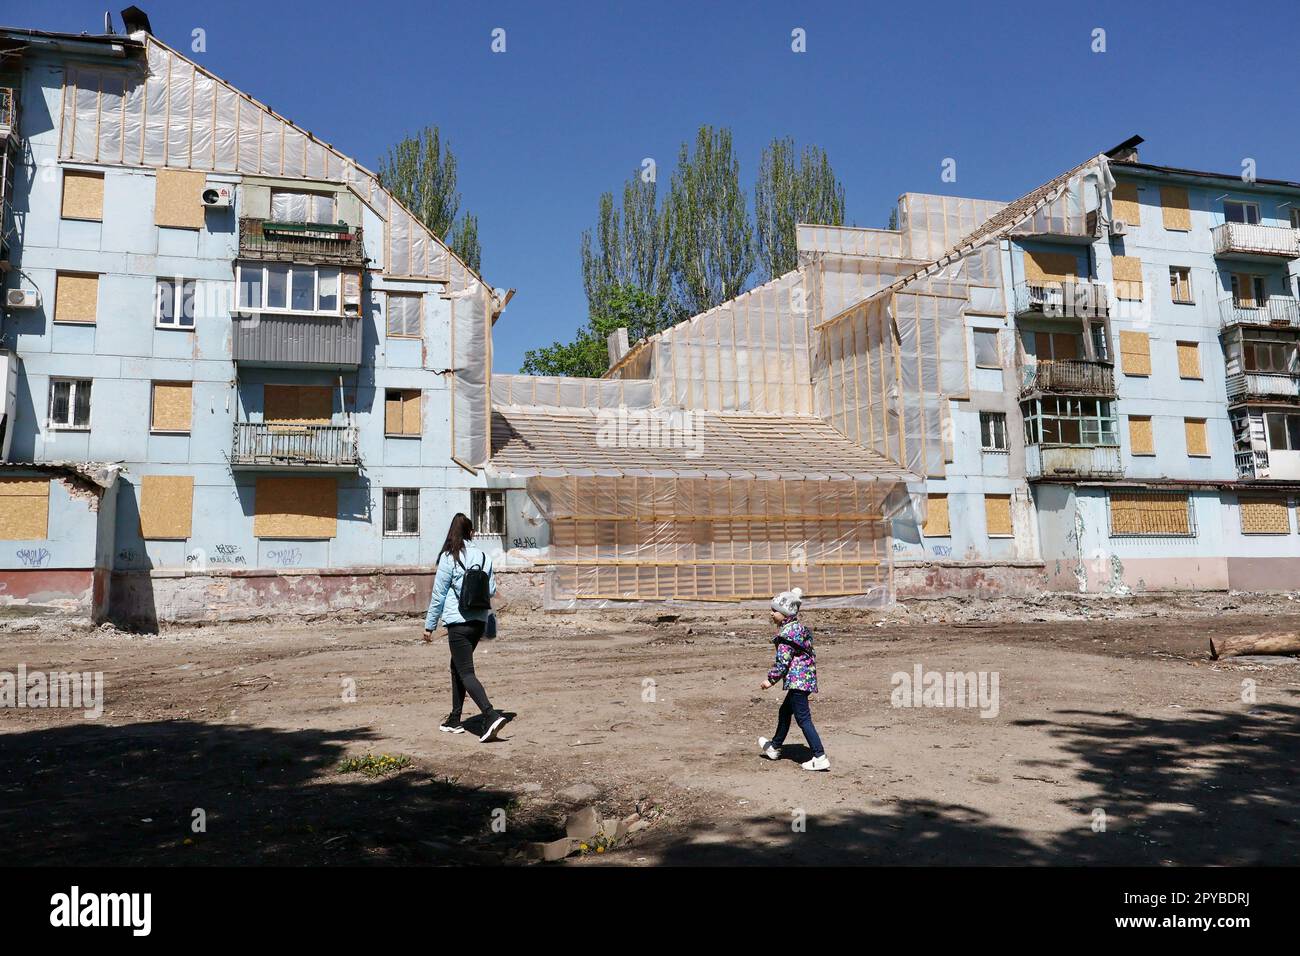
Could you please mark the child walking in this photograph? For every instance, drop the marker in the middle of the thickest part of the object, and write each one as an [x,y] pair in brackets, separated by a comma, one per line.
[796,666]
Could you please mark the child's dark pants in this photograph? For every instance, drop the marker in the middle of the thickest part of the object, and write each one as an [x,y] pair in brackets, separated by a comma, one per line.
[796,703]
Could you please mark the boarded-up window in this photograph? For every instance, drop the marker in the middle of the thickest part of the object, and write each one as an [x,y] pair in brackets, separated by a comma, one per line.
[404,315]
[1197,442]
[76,297]
[1124,203]
[402,411]
[997,515]
[1045,267]
[1175,208]
[1141,440]
[178,200]
[936,517]
[83,195]
[295,508]
[1135,353]
[172,402]
[1189,360]
[166,506]
[1127,272]
[24,509]
[1056,346]
[297,404]
[1265,516]
[1150,513]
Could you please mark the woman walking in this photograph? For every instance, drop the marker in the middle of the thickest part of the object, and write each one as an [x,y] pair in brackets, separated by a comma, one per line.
[462,588]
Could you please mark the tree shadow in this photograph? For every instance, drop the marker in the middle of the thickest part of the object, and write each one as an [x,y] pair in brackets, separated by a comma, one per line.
[1200,788]
[93,794]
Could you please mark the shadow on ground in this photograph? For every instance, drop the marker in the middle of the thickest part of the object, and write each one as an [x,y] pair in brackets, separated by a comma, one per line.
[1199,788]
[93,794]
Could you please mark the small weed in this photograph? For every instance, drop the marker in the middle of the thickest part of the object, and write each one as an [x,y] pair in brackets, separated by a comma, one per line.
[375,765]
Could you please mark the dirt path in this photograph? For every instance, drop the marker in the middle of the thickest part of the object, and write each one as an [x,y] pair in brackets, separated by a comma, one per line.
[1111,708]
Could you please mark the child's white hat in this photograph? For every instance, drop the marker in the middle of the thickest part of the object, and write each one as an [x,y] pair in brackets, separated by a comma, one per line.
[787,602]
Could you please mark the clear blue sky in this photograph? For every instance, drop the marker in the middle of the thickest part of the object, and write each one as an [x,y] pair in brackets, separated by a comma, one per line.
[584,91]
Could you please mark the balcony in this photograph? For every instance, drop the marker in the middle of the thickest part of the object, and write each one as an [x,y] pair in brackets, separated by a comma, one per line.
[296,340]
[1239,240]
[1252,465]
[1262,385]
[1277,310]
[1073,461]
[320,243]
[1062,300]
[8,114]
[262,446]
[1069,377]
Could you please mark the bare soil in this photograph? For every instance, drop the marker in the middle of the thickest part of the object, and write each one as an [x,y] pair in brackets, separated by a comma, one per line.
[1109,712]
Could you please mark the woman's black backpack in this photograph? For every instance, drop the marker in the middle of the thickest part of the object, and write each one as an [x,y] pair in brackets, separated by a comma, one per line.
[475,593]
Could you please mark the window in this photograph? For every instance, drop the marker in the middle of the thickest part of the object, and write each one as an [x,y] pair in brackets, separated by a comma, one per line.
[986,349]
[1248,291]
[171,407]
[1244,212]
[289,206]
[993,431]
[936,517]
[278,286]
[1265,516]
[997,516]
[1189,360]
[70,403]
[1127,273]
[296,508]
[1135,353]
[401,511]
[24,509]
[402,411]
[1124,203]
[488,511]
[1069,421]
[1276,356]
[404,315]
[76,297]
[1295,218]
[173,306]
[1150,513]
[1100,348]
[1141,438]
[83,195]
[1055,346]
[1283,430]
[1175,208]
[178,198]
[1197,442]
[1180,285]
[166,507]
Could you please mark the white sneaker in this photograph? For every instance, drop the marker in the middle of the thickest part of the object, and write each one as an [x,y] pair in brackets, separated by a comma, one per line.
[768,749]
[817,763]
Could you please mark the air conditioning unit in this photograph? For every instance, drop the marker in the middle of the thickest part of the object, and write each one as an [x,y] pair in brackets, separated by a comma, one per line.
[1118,227]
[21,299]
[218,197]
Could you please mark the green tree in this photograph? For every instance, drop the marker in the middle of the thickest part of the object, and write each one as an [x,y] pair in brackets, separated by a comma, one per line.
[710,239]
[628,248]
[587,356]
[791,190]
[421,172]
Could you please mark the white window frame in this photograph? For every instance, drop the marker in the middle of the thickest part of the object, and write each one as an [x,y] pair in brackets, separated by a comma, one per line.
[388,314]
[997,346]
[484,503]
[405,503]
[288,292]
[178,284]
[76,386]
[995,430]
[1246,205]
[1175,274]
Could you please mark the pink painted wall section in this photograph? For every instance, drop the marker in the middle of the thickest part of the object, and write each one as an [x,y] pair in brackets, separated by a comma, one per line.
[60,589]
[986,580]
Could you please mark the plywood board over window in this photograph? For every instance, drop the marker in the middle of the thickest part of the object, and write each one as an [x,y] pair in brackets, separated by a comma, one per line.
[178,200]
[172,405]
[1189,360]
[1197,442]
[1175,208]
[1127,273]
[297,404]
[402,411]
[83,195]
[1135,353]
[1124,203]
[1265,516]
[997,515]
[76,297]
[1141,439]
[936,517]
[295,508]
[1149,513]
[1043,267]
[24,509]
[166,507]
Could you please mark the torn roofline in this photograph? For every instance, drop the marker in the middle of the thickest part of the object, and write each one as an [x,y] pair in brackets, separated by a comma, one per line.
[101,474]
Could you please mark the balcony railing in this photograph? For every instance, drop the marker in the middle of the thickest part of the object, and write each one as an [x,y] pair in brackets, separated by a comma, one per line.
[258,444]
[8,110]
[1245,239]
[1276,310]
[1252,464]
[1064,300]
[301,242]
[288,339]
[1263,385]
[1069,377]
[1073,461]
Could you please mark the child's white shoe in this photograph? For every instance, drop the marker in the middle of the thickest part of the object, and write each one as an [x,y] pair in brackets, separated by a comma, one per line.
[817,763]
[768,749]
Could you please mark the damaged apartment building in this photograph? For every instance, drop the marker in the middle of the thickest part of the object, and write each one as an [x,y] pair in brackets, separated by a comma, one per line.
[239,377]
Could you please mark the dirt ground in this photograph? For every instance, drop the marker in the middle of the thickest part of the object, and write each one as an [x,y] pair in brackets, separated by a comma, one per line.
[1115,740]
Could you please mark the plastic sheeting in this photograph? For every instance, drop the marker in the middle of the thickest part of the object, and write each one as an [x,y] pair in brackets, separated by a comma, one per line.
[931,225]
[554,391]
[169,112]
